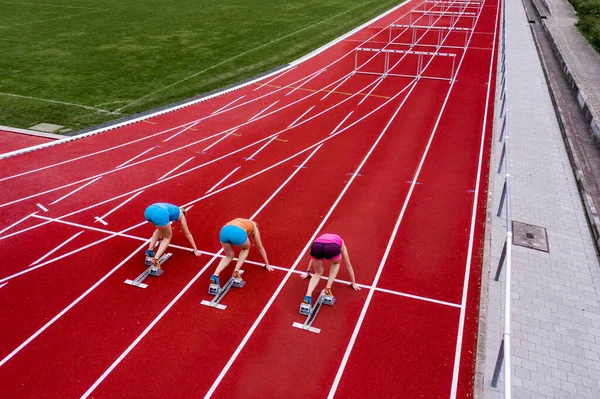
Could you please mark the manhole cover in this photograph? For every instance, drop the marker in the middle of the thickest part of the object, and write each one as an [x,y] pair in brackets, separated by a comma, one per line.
[530,236]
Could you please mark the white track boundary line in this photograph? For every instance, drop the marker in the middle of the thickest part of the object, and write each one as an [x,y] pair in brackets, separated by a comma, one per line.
[18,221]
[461,323]
[136,157]
[301,116]
[299,258]
[222,180]
[42,207]
[175,168]
[239,181]
[74,191]
[184,290]
[101,218]
[185,129]
[221,139]
[65,310]
[415,179]
[336,87]
[261,148]
[228,104]
[305,82]
[341,123]
[57,248]
[2,285]
[263,111]
[275,78]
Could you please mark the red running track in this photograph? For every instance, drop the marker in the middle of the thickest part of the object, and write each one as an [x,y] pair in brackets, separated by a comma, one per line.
[397,166]
[11,141]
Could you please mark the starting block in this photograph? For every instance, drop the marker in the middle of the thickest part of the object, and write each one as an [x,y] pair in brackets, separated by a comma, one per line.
[163,259]
[150,271]
[219,294]
[311,313]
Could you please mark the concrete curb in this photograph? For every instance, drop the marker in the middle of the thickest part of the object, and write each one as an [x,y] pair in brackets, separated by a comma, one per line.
[590,209]
[31,132]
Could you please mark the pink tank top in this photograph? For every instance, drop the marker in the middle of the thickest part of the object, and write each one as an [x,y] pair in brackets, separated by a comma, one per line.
[330,238]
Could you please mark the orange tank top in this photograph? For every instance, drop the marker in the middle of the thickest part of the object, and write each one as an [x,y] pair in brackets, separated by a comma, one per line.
[246,224]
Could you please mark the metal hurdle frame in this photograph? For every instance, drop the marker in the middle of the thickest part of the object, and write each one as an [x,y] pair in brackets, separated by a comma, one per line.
[461,5]
[439,29]
[454,16]
[419,54]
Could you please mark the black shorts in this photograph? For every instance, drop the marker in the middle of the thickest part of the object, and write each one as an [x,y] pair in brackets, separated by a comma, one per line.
[329,251]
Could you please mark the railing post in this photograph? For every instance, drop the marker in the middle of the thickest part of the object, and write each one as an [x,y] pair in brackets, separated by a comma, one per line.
[499,361]
[502,197]
[501,262]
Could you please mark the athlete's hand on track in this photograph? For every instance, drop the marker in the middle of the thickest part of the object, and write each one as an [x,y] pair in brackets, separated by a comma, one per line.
[196,252]
[356,287]
[304,276]
[269,268]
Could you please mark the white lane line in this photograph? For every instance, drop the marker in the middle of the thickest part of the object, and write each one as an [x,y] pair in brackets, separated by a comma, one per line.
[101,218]
[301,116]
[19,221]
[42,207]
[251,157]
[183,291]
[56,249]
[276,77]
[221,139]
[341,123]
[74,191]
[222,180]
[65,310]
[185,129]
[370,91]
[414,181]
[305,82]
[336,87]
[175,168]
[300,256]
[234,152]
[136,157]
[461,322]
[263,111]
[2,285]
[225,106]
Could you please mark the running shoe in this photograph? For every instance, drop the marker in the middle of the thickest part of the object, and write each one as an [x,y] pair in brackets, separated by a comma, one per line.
[150,253]
[237,275]
[327,291]
[215,280]
[156,264]
[308,300]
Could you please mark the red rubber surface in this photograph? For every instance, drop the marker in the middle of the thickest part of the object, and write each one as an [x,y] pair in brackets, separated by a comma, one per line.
[11,141]
[73,326]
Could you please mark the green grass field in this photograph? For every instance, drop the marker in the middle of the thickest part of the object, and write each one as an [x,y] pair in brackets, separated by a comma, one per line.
[78,63]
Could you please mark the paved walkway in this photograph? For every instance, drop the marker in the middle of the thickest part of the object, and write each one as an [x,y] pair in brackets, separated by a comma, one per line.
[555,295]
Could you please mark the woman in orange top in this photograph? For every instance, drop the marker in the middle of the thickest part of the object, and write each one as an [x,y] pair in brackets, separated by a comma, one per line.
[238,232]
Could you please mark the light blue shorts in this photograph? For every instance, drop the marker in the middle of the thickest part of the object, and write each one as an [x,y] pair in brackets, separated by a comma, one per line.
[233,235]
[157,215]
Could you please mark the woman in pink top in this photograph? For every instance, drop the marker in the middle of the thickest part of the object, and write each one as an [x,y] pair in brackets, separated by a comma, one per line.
[330,247]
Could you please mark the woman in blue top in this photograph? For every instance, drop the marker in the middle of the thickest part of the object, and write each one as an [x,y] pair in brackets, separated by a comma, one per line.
[161,215]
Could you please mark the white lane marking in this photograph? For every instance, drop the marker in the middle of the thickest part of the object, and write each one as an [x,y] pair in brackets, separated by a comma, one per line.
[306,81]
[299,258]
[276,77]
[341,123]
[301,116]
[251,157]
[185,129]
[42,207]
[57,248]
[65,310]
[336,87]
[263,111]
[175,168]
[414,181]
[19,221]
[222,180]
[74,191]
[461,322]
[98,219]
[101,218]
[183,291]
[370,91]
[221,139]
[228,104]
[136,157]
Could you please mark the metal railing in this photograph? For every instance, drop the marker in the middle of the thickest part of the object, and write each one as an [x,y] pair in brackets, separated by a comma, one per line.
[504,354]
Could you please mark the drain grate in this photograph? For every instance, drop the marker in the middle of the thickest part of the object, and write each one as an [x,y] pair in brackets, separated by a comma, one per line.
[530,236]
